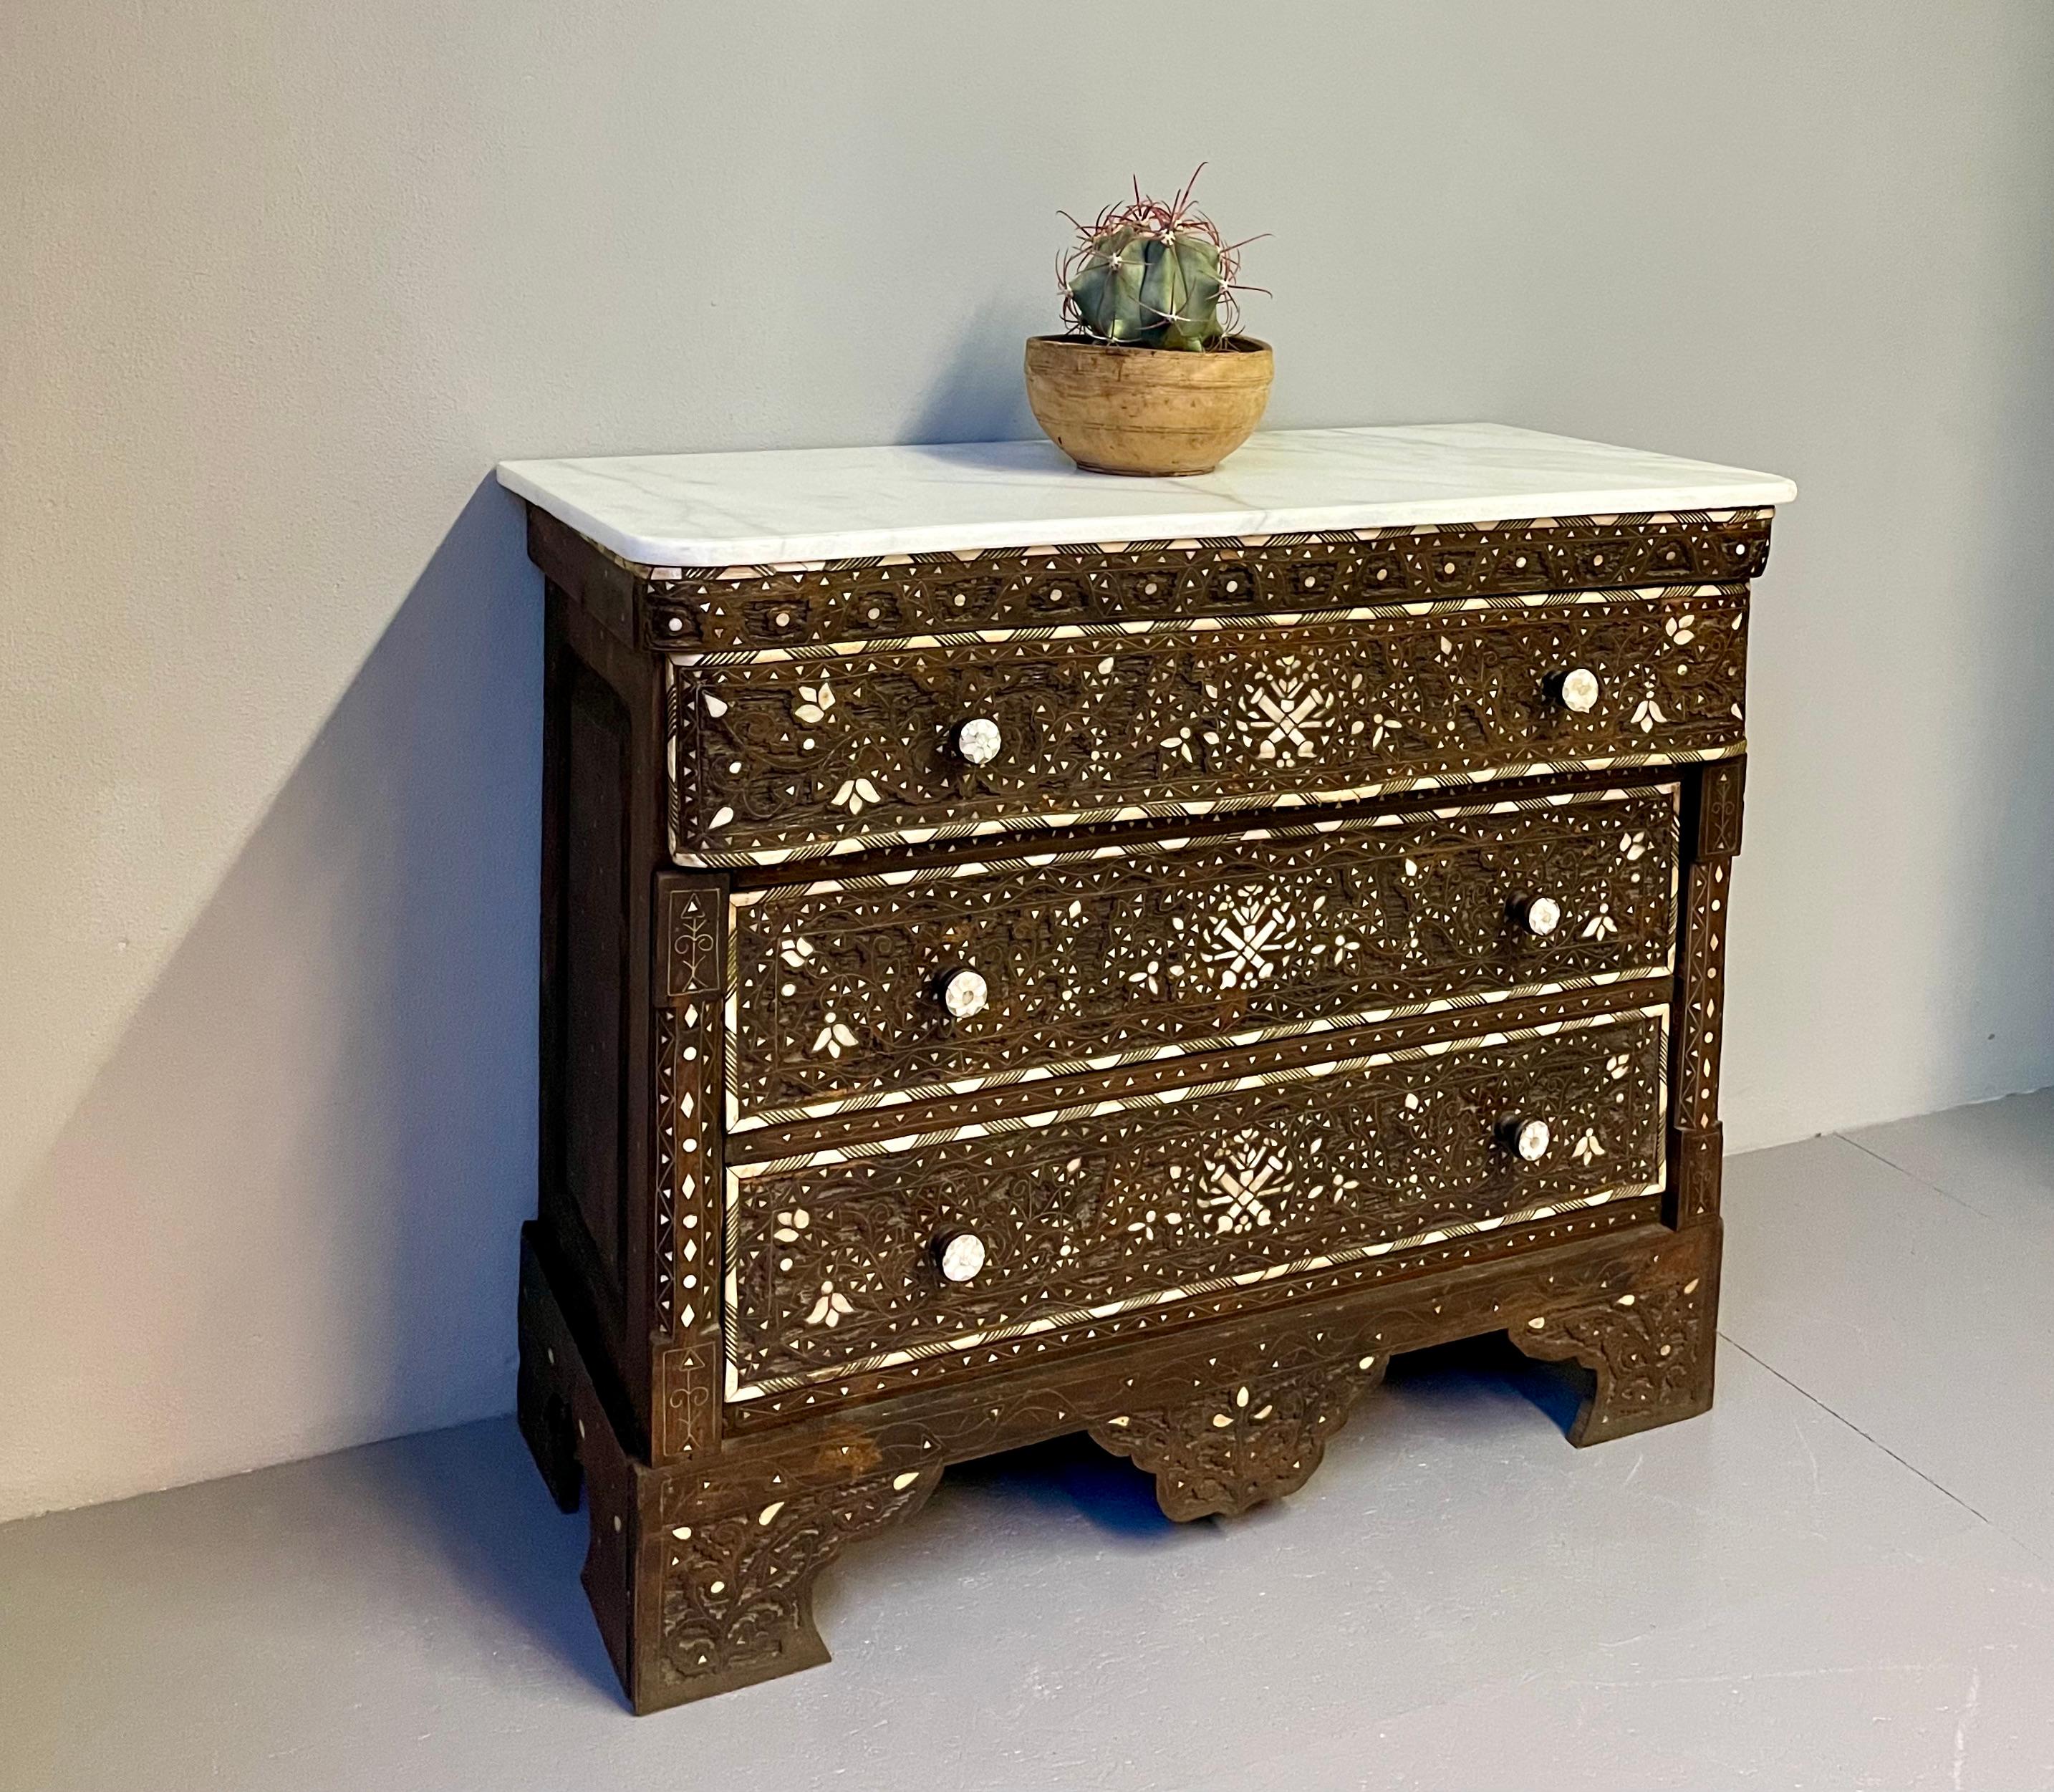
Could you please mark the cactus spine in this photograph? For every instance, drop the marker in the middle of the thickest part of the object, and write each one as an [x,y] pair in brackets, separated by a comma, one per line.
[1151,275]
[1150,291]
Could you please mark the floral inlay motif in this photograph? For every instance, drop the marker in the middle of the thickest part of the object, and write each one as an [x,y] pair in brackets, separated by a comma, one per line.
[1082,1207]
[1247,935]
[1284,715]
[831,1307]
[815,702]
[855,794]
[1149,1224]
[808,755]
[1248,1177]
[834,1037]
[1233,937]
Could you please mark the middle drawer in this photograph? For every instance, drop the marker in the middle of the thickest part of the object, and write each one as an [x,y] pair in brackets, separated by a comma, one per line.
[941,980]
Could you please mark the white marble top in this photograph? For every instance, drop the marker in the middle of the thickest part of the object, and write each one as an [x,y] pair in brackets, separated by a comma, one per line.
[786,505]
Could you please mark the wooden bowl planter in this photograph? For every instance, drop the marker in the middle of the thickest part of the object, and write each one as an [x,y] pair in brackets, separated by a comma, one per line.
[1113,409]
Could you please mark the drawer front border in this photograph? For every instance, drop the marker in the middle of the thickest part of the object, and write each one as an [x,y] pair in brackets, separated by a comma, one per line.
[933,1089]
[739,1391]
[682,698]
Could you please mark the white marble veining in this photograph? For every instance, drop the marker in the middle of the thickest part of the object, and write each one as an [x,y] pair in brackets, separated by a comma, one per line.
[778,506]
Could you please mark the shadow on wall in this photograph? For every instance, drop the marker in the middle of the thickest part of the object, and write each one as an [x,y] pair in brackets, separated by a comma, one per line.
[980,393]
[284,1218]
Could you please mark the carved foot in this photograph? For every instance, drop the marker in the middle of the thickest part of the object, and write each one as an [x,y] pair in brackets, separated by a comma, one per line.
[735,1590]
[1254,1439]
[1649,1348]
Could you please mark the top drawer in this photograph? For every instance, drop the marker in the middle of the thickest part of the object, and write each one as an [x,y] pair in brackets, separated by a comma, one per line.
[828,749]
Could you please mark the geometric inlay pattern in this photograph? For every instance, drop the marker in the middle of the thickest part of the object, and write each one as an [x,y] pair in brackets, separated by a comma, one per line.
[996,588]
[832,1262]
[817,751]
[1096,956]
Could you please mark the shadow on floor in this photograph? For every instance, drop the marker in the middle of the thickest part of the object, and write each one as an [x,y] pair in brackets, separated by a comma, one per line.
[1073,1474]
[1070,1474]
[1477,1370]
[471,1497]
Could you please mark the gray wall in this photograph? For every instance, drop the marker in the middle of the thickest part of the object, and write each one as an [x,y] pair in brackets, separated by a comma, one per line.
[281,280]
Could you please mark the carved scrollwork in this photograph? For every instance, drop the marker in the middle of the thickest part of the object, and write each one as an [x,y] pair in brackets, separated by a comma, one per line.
[736,1590]
[1256,1437]
[1651,1349]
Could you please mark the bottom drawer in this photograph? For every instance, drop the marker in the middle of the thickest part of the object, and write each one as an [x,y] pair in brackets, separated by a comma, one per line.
[910,1248]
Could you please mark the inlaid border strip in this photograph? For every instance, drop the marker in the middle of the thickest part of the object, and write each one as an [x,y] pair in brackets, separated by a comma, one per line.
[1304,537]
[739,1391]
[740,1121]
[1210,805]
[718,657]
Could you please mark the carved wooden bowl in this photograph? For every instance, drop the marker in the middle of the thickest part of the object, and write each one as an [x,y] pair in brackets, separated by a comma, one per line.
[1147,411]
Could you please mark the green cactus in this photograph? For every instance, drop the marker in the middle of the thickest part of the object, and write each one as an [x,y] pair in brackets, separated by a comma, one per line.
[1152,275]
[1149,291]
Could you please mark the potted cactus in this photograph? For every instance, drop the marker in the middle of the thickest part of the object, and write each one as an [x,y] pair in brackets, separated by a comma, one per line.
[1152,376]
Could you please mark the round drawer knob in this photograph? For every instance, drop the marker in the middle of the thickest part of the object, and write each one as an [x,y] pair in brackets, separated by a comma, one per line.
[1529,1139]
[960,1254]
[979,740]
[1579,689]
[1541,915]
[964,993]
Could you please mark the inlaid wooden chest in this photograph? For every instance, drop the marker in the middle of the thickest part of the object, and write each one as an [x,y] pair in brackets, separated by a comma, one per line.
[1026,952]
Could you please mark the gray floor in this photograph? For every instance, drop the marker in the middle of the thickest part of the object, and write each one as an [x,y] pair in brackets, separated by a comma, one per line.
[1843,1576]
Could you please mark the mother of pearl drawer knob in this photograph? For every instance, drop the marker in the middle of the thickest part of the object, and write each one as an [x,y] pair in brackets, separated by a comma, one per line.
[979,740]
[1528,1138]
[1579,689]
[1541,915]
[964,993]
[960,1254]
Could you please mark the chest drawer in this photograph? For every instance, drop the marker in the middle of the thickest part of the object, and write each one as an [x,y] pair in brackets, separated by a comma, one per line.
[846,1259]
[963,975]
[783,755]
